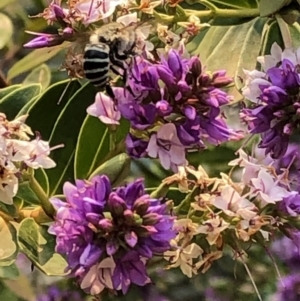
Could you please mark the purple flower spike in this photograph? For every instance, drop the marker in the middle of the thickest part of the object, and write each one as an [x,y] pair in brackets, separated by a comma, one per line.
[275,96]
[187,111]
[107,237]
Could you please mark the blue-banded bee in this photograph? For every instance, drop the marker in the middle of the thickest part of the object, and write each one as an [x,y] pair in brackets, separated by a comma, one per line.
[109,49]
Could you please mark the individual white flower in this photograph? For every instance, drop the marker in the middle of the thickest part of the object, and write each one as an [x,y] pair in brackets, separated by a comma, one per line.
[19,128]
[183,258]
[213,228]
[186,230]
[207,261]
[271,60]
[268,189]
[99,277]
[232,204]
[250,164]
[33,153]
[105,109]
[254,79]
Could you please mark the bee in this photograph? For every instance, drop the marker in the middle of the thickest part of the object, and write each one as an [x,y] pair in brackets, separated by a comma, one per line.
[109,48]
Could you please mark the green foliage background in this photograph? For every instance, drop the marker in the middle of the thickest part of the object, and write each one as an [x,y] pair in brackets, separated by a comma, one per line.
[32,84]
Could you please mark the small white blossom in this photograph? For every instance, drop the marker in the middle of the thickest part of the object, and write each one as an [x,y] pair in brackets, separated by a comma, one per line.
[183,258]
[99,277]
[33,153]
[268,189]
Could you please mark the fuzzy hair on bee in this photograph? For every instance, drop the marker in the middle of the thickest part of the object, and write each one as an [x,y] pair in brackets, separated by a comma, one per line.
[110,48]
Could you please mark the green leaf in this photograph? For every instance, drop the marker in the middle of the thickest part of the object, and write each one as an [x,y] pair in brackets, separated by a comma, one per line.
[8,209]
[91,147]
[22,287]
[237,46]
[25,193]
[8,248]
[44,112]
[38,245]
[117,169]
[295,34]
[66,131]
[12,103]
[32,60]
[27,106]
[42,178]
[7,90]
[236,3]
[6,30]
[3,3]
[271,35]
[9,272]
[41,74]
[270,7]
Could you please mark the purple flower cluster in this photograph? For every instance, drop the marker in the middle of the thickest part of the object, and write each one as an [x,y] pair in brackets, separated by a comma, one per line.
[107,235]
[275,94]
[178,107]
[54,293]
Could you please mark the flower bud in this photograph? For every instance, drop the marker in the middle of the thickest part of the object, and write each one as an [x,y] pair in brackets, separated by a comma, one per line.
[106,225]
[129,217]
[141,206]
[67,33]
[163,108]
[196,67]
[116,205]
[175,65]
[151,218]
[44,40]
[165,75]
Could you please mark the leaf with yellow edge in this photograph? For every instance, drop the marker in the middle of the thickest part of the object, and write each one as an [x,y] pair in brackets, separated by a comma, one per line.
[41,74]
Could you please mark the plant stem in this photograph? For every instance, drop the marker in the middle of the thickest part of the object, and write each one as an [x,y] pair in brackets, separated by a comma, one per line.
[112,140]
[38,190]
[224,13]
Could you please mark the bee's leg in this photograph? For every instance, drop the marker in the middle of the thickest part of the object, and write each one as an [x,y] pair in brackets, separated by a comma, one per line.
[124,75]
[109,91]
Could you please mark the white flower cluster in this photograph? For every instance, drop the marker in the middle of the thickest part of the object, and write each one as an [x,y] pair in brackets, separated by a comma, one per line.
[17,152]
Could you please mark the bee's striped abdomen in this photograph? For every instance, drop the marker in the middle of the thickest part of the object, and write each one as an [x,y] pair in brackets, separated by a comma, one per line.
[96,64]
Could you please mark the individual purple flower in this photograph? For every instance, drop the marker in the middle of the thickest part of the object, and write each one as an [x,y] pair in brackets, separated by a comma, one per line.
[54,293]
[140,116]
[130,269]
[290,205]
[166,146]
[136,147]
[108,235]
[276,102]
[288,288]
